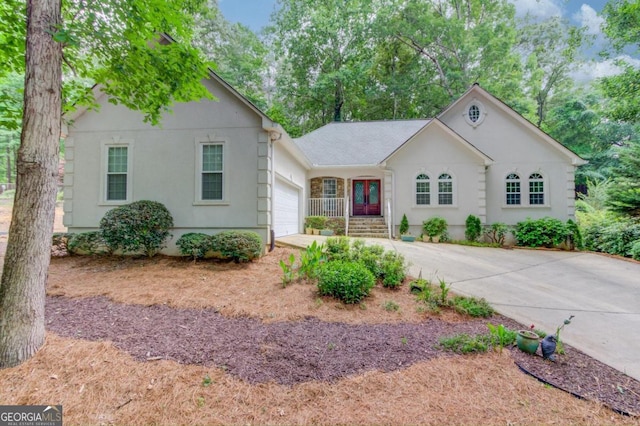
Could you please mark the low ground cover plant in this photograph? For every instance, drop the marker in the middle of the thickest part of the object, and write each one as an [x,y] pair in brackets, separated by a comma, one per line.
[88,243]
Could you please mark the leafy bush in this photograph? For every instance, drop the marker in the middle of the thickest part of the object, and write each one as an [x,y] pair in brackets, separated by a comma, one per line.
[404,225]
[315,222]
[338,248]
[369,256]
[574,234]
[472,306]
[239,246]
[496,232]
[394,269]
[434,226]
[90,243]
[545,232]
[635,250]
[473,228]
[613,237]
[194,244]
[348,281]
[142,226]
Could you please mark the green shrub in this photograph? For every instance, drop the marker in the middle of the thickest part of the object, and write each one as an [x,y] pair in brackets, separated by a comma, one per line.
[544,232]
[348,281]
[434,226]
[369,256]
[239,246]
[404,225]
[472,306]
[612,236]
[473,228]
[90,243]
[338,248]
[574,234]
[315,222]
[394,269]
[194,245]
[139,227]
[496,232]
[464,344]
[635,250]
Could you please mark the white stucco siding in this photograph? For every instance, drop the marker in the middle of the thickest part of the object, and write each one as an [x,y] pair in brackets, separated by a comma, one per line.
[164,164]
[434,152]
[516,147]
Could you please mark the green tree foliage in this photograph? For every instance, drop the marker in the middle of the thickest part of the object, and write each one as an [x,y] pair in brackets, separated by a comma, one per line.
[115,44]
[550,52]
[239,54]
[323,52]
[624,192]
[622,26]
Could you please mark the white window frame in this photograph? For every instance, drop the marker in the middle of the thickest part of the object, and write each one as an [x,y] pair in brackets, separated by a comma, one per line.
[454,200]
[418,180]
[199,149]
[544,194]
[104,170]
[325,194]
[507,181]
[482,112]
[525,190]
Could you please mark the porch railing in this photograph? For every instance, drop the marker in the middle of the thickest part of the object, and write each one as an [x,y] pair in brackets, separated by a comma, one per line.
[329,207]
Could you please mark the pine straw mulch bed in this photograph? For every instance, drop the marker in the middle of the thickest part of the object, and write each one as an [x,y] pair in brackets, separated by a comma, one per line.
[166,341]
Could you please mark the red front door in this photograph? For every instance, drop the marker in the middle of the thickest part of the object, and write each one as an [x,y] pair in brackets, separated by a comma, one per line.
[366,197]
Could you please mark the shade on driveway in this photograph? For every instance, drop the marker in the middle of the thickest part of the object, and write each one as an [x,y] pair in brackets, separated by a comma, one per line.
[543,288]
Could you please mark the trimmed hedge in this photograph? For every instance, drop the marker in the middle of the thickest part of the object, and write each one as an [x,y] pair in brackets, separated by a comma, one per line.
[193,244]
[240,246]
[139,227]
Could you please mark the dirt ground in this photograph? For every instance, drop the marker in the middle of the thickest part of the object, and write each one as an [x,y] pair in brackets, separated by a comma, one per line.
[167,341]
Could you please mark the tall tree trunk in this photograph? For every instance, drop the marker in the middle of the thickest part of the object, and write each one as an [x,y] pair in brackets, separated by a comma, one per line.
[22,289]
[9,153]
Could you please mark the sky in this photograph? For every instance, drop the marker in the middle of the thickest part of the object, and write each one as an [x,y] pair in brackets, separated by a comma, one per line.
[255,15]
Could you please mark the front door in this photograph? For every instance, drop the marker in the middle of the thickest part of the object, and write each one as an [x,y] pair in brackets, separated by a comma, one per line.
[366,197]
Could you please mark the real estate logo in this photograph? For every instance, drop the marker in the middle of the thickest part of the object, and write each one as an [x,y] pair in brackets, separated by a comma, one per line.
[30,415]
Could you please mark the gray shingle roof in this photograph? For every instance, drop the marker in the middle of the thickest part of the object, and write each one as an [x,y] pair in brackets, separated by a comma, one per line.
[357,143]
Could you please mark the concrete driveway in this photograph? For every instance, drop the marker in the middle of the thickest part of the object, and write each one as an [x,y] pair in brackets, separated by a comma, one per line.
[543,288]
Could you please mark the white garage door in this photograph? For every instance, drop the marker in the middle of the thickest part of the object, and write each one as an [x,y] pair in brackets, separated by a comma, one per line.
[286,209]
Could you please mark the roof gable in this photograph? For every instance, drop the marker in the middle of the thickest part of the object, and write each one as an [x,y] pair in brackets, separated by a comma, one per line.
[454,137]
[477,91]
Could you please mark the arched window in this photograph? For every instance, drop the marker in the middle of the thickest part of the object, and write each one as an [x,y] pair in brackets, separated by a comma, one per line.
[423,190]
[513,189]
[536,189]
[445,189]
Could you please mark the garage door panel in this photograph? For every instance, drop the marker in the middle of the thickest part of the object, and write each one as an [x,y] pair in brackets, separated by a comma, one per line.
[286,209]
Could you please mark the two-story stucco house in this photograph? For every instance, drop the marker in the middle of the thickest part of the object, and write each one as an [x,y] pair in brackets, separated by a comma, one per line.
[220,165]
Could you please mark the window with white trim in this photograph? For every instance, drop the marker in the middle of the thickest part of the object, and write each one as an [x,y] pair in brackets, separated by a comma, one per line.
[117,173]
[513,190]
[211,172]
[445,189]
[536,189]
[423,190]
[329,188]
[474,113]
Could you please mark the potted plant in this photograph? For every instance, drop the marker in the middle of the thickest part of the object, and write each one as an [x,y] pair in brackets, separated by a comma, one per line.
[315,223]
[434,228]
[326,232]
[404,230]
[528,340]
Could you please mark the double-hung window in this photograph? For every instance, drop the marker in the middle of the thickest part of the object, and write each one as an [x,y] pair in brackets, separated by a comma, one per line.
[445,189]
[513,189]
[536,189]
[211,174]
[423,190]
[117,176]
